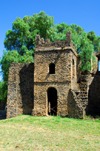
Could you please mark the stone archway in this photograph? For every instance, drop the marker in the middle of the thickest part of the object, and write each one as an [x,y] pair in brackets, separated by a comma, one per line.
[52,101]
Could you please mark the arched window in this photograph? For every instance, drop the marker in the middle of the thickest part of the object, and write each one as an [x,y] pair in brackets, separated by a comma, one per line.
[52,68]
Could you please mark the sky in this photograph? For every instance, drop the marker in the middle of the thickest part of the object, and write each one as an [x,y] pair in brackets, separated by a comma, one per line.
[85,13]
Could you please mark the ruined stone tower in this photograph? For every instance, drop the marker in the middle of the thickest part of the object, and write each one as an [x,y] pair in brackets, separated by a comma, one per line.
[52,85]
[54,68]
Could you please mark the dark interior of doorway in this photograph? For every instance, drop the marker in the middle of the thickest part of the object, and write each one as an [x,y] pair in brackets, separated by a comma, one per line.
[52,101]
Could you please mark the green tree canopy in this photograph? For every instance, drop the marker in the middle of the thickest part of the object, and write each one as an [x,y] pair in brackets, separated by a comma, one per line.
[94,39]
[24,31]
[20,41]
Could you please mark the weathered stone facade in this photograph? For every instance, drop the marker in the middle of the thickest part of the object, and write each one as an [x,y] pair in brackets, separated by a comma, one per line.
[20,89]
[52,85]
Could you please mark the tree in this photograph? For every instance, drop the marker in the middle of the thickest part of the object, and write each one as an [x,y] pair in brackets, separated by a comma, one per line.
[20,41]
[24,31]
[94,39]
[86,55]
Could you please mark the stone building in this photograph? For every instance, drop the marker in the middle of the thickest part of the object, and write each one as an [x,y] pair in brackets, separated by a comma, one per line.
[52,85]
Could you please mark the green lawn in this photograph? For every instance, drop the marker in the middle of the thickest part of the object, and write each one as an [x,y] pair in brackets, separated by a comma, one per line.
[49,134]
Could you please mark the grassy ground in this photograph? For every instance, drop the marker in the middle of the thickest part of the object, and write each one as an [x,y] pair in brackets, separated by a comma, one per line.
[49,134]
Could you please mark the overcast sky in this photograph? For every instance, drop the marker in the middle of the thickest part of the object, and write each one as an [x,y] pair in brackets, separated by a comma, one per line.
[85,13]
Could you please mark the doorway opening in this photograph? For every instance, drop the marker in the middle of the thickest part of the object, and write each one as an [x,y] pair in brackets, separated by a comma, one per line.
[52,101]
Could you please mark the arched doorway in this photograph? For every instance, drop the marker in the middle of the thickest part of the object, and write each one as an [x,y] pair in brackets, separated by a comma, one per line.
[52,101]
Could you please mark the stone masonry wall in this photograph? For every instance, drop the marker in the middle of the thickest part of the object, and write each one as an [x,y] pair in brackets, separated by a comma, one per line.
[29,84]
[74,109]
[20,89]
[41,98]
[61,54]
[77,102]
[62,61]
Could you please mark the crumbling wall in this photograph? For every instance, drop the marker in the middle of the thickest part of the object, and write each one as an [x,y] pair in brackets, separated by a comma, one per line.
[78,99]
[43,80]
[20,89]
[74,110]
[72,97]
[62,54]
